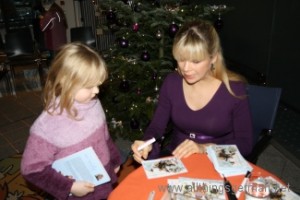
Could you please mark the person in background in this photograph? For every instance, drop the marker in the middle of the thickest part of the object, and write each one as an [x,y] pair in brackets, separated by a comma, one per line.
[72,120]
[204,101]
[53,24]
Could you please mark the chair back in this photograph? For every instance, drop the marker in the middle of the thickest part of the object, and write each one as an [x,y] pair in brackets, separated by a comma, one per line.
[263,102]
[84,35]
[2,48]
[19,43]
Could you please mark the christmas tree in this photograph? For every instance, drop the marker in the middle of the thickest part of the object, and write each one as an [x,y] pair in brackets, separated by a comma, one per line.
[141,56]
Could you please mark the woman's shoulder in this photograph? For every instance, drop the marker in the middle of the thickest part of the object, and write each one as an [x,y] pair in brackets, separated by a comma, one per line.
[238,87]
[173,76]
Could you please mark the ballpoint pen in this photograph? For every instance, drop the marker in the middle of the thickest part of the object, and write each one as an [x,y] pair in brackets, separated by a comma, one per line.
[229,190]
[243,184]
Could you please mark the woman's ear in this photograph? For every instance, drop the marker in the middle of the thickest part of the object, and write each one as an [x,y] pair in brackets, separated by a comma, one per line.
[214,58]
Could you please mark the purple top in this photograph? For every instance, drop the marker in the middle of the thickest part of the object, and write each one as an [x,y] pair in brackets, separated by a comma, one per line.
[56,136]
[224,120]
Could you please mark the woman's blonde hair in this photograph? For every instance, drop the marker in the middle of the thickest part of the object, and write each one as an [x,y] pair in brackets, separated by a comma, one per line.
[198,40]
[74,67]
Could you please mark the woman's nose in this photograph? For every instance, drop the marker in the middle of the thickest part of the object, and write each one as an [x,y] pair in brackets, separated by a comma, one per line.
[185,66]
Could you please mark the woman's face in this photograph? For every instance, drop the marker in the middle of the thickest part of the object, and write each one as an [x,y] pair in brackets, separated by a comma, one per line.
[84,95]
[194,71]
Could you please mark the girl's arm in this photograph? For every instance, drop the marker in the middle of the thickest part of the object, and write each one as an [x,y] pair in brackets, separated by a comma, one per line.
[36,168]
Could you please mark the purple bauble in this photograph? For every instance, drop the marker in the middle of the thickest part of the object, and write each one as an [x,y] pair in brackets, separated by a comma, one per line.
[134,124]
[173,28]
[124,86]
[145,56]
[219,24]
[111,16]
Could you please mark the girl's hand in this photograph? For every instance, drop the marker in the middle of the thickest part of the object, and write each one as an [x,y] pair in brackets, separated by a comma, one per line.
[189,147]
[140,155]
[81,188]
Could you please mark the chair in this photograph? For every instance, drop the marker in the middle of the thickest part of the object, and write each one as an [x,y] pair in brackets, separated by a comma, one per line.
[84,35]
[21,53]
[263,102]
[4,70]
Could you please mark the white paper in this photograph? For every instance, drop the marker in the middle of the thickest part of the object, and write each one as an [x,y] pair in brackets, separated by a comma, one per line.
[227,160]
[163,167]
[83,165]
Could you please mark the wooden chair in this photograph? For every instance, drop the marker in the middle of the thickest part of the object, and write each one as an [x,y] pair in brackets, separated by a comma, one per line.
[264,103]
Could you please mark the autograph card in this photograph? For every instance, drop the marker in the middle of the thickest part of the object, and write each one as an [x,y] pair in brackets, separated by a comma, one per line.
[163,167]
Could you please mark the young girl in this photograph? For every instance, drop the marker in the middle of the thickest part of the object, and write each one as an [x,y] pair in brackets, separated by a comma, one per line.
[73,119]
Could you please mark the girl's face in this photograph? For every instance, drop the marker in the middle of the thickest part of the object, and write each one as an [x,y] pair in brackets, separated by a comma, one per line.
[194,71]
[84,95]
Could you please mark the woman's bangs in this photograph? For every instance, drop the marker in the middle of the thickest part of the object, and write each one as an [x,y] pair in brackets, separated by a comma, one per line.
[189,52]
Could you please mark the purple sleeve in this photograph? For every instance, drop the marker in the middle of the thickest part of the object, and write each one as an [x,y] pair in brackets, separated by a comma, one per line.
[36,168]
[242,124]
[160,118]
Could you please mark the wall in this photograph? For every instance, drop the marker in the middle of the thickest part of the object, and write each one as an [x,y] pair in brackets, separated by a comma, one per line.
[263,36]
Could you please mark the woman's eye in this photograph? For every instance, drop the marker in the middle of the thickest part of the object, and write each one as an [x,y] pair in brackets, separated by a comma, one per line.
[196,61]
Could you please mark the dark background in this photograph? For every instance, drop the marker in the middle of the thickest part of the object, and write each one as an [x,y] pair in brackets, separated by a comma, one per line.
[262,37]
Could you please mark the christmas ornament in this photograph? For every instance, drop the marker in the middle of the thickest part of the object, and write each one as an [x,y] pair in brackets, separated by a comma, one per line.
[158,35]
[138,91]
[134,124]
[124,86]
[111,16]
[123,43]
[173,28]
[145,56]
[154,76]
[156,3]
[135,27]
[137,7]
[219,24]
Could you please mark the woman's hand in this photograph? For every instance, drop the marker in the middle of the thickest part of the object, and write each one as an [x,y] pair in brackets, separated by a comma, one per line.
[142,154]
[189,147]
[116,170]
[81,188]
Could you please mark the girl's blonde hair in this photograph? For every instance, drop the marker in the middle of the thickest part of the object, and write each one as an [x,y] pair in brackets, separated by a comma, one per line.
[198,40]
[75,66]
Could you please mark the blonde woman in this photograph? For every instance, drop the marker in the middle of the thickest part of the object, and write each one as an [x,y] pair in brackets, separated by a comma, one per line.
[73,119]
[204,101]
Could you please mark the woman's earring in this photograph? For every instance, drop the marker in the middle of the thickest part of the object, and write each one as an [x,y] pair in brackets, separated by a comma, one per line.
[212,67]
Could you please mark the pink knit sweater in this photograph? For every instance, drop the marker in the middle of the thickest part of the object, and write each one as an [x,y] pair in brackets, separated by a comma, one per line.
[56,136]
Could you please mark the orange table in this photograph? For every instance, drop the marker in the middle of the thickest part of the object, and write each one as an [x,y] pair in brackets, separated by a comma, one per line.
[136,186]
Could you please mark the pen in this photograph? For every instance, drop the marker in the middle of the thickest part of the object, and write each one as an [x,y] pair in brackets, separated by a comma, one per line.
[151,195]
[141,147]
[148,142]
[242,186]
[229,190]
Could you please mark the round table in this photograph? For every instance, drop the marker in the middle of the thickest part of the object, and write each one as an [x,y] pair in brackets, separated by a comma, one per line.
[136,186]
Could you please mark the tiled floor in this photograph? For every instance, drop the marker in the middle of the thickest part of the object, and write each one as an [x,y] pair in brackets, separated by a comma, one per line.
[18,112]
